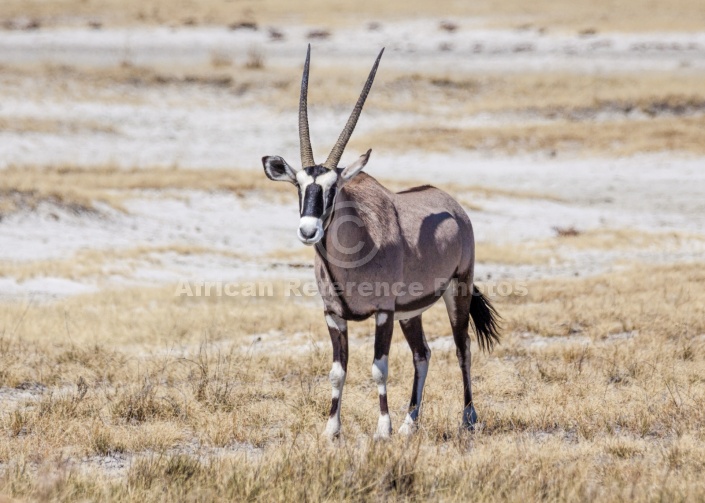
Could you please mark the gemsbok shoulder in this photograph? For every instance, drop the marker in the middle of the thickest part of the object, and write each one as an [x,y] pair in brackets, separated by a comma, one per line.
[391,255]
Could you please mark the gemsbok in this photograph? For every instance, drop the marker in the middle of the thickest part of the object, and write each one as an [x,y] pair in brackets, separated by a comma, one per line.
[388,254]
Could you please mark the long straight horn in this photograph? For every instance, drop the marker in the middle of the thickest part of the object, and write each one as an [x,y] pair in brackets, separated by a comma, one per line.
[337,152]
[304,135]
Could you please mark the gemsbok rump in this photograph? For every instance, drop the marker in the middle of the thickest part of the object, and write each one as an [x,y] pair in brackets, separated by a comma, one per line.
[388,254]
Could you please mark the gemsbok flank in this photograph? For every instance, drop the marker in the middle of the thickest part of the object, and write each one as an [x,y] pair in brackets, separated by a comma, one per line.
[388,254]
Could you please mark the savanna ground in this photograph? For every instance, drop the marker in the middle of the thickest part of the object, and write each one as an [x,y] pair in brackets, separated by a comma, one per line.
[130,138]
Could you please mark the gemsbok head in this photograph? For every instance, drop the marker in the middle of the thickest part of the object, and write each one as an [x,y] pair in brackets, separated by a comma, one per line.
[392,255]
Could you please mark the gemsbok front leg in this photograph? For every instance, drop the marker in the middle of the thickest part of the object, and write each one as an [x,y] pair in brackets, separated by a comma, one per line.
[413,332]
[384,326]
[338,329]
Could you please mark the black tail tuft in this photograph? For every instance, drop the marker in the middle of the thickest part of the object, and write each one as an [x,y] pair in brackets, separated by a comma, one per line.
[486,320]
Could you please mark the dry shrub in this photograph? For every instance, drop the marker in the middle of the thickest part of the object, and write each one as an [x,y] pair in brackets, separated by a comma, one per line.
[563,232]
[178,471]
[214,381]
[243,25]
[65,405]
[255,59]
[146,403]
[448,26]
[318,34]
[103,441]
[221,59]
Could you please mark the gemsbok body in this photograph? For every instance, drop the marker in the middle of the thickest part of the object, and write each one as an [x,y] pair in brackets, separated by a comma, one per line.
[391,255]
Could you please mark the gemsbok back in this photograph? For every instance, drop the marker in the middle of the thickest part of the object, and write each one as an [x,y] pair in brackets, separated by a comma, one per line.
[392,255]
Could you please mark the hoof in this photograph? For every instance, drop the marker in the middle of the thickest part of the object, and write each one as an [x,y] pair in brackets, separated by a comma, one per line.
[332,431]
[469,418]
[408,427]
[384,428]
[407,430]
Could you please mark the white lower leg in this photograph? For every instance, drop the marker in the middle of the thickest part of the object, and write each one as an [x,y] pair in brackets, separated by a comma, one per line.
[337,381]
[380,371]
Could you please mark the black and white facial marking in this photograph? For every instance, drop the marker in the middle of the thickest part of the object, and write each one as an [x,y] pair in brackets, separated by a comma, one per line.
[317,188]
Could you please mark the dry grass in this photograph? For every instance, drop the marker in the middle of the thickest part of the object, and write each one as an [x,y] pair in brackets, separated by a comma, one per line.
[108,84]
[78,189]
[544,95]
[98,264]
[632,15]
[603,138]
[604,114]
[302,255]
[612,239]
[626,243]
[113,178]
[181,390]
[513,254]
[31,125]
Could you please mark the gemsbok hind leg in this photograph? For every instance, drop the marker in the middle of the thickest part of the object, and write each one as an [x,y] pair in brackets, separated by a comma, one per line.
[338,329]
[457,298]
[384,326]
[413,332]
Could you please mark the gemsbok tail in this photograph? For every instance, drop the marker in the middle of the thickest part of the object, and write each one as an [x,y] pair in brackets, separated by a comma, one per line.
[486,320]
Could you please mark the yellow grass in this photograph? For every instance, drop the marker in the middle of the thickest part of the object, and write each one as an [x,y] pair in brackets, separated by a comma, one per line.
[80,188]
[303,254]
[98,264]
[604,114]
[596,393]
[631,15]
[612,239]
[423,90]
[544,95]
[603,138]
[557,94]
[512,254]
[26,125]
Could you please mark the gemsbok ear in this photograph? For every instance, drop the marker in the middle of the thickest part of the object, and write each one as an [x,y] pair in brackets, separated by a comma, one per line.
[356,167]
[278,170]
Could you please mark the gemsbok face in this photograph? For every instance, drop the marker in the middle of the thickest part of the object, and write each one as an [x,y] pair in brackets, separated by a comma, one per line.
[387,255]
[317,187]
[318,184]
